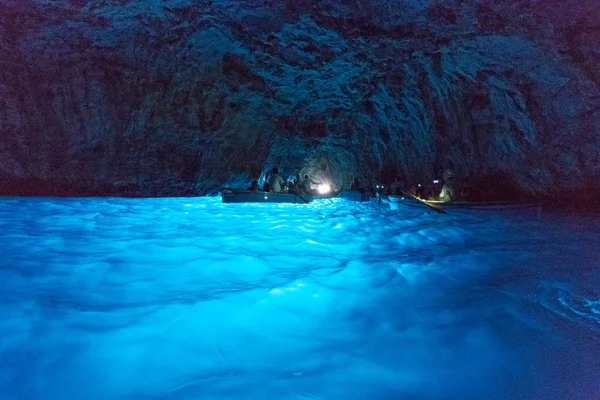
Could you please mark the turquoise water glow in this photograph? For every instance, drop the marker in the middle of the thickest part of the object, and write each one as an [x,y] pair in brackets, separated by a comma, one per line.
[194,299]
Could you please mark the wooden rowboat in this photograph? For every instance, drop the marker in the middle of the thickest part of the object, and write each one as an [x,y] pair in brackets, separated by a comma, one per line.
[247,196]
[459,207]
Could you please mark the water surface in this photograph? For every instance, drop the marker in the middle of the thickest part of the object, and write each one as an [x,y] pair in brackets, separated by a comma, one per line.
[194,299]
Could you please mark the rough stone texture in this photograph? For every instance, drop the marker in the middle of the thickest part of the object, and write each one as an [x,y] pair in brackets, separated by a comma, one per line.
[149,97]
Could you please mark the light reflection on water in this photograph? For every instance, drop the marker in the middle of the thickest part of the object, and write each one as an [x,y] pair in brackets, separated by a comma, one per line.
[194,299]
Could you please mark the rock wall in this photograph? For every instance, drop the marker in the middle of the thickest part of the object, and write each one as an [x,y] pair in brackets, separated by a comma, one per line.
[171,97]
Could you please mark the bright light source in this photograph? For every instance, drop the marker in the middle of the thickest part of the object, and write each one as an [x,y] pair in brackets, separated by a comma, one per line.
[323,188]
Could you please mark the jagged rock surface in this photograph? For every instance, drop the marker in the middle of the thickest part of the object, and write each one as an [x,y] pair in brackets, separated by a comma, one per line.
[184,96]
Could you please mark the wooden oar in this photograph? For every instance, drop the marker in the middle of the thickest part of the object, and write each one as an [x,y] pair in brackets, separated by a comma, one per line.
[296,194]
[303,199]
[434,208]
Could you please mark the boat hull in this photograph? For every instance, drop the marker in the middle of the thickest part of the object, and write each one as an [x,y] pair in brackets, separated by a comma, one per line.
[355,195]
[242,196]
[460,207]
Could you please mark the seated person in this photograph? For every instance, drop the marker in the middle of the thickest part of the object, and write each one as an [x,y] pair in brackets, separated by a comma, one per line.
[398,187]
[355,184]
[449,191]
[294,184]
[306,185]
[254,186]
[416,190]
[276,182]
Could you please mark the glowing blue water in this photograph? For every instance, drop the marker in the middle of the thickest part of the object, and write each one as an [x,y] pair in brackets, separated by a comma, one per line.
[194,299]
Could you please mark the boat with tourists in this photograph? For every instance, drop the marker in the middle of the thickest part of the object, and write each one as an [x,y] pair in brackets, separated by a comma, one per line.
[458,207]
[249,196]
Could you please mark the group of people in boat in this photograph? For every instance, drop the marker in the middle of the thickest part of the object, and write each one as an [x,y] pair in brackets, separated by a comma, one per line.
[276,184]
[444,190]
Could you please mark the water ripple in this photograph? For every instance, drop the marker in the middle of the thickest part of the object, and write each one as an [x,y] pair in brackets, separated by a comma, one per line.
[192,298]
